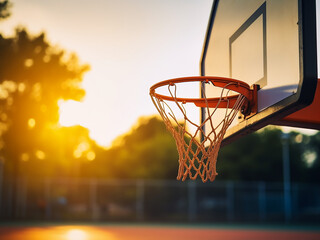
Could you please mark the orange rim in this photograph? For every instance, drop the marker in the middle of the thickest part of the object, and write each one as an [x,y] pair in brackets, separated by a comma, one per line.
[228,83]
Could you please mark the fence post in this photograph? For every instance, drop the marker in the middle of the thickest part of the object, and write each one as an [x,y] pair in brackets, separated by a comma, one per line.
[93,200]
[192,201]
[1,185]
[286,177]
[140,199]
[20,201]
[47,192]
[262,201]
[23,196]
[17,200]
[9,199]
[295,200]
[230,201]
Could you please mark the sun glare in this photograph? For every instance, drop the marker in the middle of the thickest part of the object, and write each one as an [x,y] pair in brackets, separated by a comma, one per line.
[76,234]
[69,113]
[73,113]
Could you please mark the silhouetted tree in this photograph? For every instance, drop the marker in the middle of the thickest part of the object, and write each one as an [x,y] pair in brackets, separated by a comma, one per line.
[71,148]
[147,151]
[5,6]
[312,157]
[258,157]
[33,77]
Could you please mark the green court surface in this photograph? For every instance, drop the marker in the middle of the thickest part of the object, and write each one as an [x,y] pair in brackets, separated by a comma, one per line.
[153,232]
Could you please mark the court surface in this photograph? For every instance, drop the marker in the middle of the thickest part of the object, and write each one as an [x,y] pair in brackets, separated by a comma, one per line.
[154,232]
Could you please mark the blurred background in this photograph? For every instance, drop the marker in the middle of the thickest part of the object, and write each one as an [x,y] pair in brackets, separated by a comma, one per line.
[80,139]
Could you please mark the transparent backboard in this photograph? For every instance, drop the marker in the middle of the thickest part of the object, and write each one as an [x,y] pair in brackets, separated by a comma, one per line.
[271,43]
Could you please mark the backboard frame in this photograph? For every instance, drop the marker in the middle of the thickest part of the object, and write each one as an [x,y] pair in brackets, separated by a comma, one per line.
[307,82]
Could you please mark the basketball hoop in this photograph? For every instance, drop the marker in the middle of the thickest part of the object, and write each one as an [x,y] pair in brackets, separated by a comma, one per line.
[198,150]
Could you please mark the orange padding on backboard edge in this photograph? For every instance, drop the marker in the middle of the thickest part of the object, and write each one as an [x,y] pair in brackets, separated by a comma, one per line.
[308,117]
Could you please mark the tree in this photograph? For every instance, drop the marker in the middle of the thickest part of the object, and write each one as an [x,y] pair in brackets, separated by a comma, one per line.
[71,148]
[33,77]
[258,157]
[255,157]
[311,156]
[147,151]
[5,6]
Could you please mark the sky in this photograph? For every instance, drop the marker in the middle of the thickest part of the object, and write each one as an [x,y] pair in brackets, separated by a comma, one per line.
[130,45]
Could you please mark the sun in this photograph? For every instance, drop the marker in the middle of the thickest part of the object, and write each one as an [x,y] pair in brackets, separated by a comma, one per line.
[70,113]
[76,234]
[73,113]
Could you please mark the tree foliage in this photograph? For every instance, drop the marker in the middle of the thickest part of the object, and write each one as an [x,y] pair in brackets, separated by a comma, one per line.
[147,151]
[5,6]
[259,157]
[311,155]
[33,77]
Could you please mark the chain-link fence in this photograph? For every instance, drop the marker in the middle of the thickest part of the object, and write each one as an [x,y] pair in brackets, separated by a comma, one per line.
[157,201]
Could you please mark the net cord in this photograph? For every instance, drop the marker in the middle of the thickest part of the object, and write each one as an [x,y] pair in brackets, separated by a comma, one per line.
[195,158]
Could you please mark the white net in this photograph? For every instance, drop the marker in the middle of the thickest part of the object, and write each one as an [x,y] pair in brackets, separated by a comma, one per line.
[198,149]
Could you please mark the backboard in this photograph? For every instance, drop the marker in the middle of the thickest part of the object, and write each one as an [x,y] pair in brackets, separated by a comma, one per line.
[271,43]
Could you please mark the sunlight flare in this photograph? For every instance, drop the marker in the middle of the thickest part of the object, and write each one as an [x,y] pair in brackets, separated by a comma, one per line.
[70,113]
[31,123]
[73,113]
[76,234]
